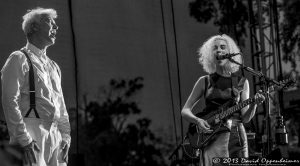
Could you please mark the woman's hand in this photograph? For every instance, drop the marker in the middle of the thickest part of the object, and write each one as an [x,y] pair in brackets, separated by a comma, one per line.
[203,125]
[259,98]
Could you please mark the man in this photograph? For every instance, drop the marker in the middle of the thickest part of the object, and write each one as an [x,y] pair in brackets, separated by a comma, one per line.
[35,111]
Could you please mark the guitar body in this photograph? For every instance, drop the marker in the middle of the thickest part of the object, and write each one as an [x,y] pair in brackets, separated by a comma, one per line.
[199,139]
[216,120]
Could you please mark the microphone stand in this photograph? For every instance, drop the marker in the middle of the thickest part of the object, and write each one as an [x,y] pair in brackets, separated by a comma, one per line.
[266,82]
[264,78]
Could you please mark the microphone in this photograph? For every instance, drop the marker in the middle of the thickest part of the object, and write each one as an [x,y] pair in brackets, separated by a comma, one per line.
[227,56]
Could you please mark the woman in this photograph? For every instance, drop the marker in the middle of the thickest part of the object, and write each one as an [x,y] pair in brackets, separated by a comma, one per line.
[217,88]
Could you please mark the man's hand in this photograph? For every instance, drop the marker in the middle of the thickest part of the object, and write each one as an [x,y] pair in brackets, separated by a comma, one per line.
[65,150]
[29,153]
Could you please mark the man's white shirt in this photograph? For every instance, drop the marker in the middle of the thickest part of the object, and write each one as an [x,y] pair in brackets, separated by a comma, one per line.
[50,103]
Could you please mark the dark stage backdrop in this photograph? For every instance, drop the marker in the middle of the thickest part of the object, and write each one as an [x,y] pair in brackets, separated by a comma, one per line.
[120,39]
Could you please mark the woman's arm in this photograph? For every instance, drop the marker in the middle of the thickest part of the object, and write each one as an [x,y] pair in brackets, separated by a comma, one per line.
[248,112]
[194,97]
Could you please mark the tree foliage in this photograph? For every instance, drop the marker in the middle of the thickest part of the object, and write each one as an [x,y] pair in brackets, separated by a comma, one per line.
[229,15]
[290,31]
[113,140]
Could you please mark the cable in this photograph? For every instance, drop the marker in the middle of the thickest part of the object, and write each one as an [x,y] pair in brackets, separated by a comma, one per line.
[177,64]
[76,71]
[169,73]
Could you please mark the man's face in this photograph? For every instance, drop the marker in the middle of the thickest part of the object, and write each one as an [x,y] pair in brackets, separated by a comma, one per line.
[47,30]
[220,48]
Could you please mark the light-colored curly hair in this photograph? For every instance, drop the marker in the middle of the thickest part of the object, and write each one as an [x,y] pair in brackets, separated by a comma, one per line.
[35,16]
[207,58]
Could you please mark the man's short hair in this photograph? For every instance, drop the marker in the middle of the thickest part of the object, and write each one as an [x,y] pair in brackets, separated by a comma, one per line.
[35,16]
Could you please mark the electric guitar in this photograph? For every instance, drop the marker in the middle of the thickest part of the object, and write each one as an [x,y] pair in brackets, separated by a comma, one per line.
[215,118]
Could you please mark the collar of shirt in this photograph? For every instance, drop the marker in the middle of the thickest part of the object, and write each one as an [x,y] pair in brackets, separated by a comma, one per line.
[41,54]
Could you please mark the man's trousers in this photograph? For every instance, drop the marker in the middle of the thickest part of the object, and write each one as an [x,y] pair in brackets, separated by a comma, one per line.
[48,138]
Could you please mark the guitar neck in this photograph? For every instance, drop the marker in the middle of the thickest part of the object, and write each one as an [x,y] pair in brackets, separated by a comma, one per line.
[237,107]
[227,112]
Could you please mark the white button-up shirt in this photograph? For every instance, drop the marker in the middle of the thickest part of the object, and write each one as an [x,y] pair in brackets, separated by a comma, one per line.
[50,103]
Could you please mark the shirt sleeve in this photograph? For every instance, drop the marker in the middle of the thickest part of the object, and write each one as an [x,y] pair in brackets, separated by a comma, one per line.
[13,76]
[63,122]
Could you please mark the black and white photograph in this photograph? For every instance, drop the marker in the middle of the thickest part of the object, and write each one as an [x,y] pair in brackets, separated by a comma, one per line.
[150,83]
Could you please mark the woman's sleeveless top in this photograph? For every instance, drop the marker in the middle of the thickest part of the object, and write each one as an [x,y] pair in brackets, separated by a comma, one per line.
[219,91]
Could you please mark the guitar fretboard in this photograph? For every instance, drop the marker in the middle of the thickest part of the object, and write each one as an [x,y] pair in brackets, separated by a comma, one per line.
[237,107]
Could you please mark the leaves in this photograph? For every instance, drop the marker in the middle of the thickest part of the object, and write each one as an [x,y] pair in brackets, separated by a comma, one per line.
[290,31]
[229,15]
[112,139]
[203,10]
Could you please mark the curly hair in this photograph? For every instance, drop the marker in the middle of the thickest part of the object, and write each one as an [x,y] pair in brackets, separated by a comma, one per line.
[207,58]
[35,16]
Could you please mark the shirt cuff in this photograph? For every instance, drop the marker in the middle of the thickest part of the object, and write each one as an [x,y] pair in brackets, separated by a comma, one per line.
[67,138]
[24,139]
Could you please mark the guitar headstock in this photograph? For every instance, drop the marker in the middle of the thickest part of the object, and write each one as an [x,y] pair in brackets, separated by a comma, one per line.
[284,84]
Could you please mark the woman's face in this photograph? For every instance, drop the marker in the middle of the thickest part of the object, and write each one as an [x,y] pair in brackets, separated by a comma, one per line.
[220,48]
